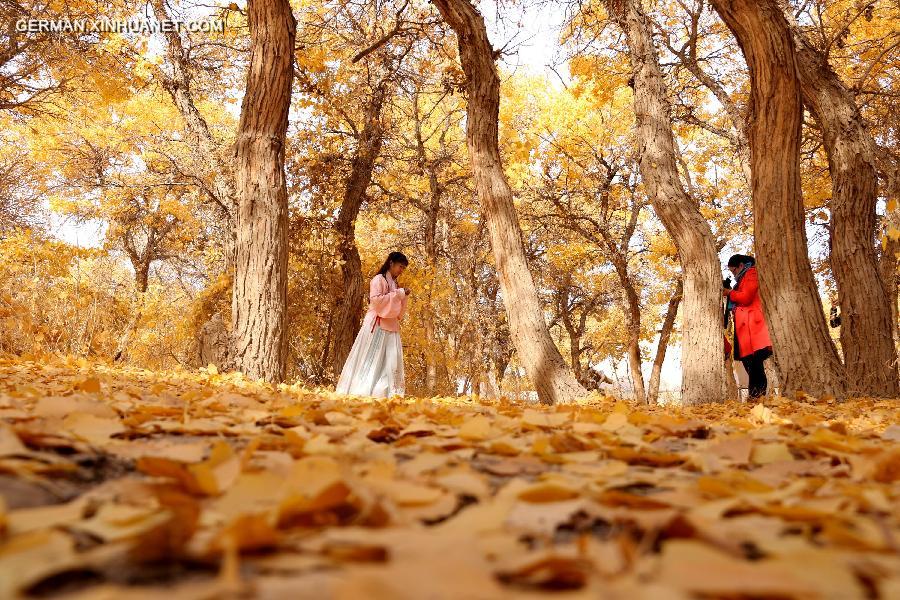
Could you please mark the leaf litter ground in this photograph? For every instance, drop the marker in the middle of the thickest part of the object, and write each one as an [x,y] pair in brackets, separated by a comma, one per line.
[122,483]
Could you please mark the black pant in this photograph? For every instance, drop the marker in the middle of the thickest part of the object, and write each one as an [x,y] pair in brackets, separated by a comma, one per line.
[757,372]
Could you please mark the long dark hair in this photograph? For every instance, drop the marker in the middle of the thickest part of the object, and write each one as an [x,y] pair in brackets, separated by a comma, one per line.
[393,257]
[737,260]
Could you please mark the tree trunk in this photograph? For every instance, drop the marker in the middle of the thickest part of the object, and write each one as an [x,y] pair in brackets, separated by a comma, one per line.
[206,152]
[664,334]
[431,254]
[866,333]
[771,368]
[552,377]
[564,312]
[889,265]
[565,315]
[891,270]
[212,343]
[889,261]
[140,262]
[259,296]
[350,311]
[631,309]
[806,355]
[679,213]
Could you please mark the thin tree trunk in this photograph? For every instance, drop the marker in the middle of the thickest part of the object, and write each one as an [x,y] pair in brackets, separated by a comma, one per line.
[206,152]
[889,261]
[806,355]
[130,329]
[350,310]
[476,365]
[326,346]
[140,262]
[631,308]
[552,377]
[771,368]
[565,315]
[431,254]
[634,367]
[492,389]
[687,54]
[259,296]
[890,273]
[664,334]
[867,342]
[889,264]
[575,351]
[679,213]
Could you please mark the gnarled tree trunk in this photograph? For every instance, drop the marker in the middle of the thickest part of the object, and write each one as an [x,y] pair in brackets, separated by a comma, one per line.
[867,342]
[702,330]
[259,296]
[806,355]
[368,148]
[552,377]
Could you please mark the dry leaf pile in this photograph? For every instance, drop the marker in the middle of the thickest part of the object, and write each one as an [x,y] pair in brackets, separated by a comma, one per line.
[123,483]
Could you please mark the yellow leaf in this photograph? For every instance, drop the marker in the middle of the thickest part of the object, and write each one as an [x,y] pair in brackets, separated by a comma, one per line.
[92,429]
[476,428]
[767,453]
[90,385]
[544,419]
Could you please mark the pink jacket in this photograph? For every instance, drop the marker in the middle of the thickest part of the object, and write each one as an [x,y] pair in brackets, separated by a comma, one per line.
[387,303]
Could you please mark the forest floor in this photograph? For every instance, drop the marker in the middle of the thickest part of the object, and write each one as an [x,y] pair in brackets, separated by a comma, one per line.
[122,483]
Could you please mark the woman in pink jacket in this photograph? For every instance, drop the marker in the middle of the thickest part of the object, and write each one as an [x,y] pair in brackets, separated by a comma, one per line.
[375,365]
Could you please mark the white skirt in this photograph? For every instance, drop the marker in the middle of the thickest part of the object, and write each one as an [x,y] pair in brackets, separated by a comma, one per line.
[375,365]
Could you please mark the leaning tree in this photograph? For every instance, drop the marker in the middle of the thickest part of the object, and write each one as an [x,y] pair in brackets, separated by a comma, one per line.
[552,377]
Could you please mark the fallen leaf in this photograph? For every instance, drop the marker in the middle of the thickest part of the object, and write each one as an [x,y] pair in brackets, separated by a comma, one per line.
[768,453]
[92,429]
[537,418]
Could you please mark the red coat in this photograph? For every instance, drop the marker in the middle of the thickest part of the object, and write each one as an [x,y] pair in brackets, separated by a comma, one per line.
[749,323]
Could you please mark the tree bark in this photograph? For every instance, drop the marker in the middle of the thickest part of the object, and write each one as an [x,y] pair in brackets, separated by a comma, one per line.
[552,377]
[212,343]
[870,357]
[806,355]
[350,310]
[664,334]
[679,213]
[259,295]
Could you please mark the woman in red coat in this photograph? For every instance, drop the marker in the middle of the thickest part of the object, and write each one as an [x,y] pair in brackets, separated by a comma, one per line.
[752,344]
